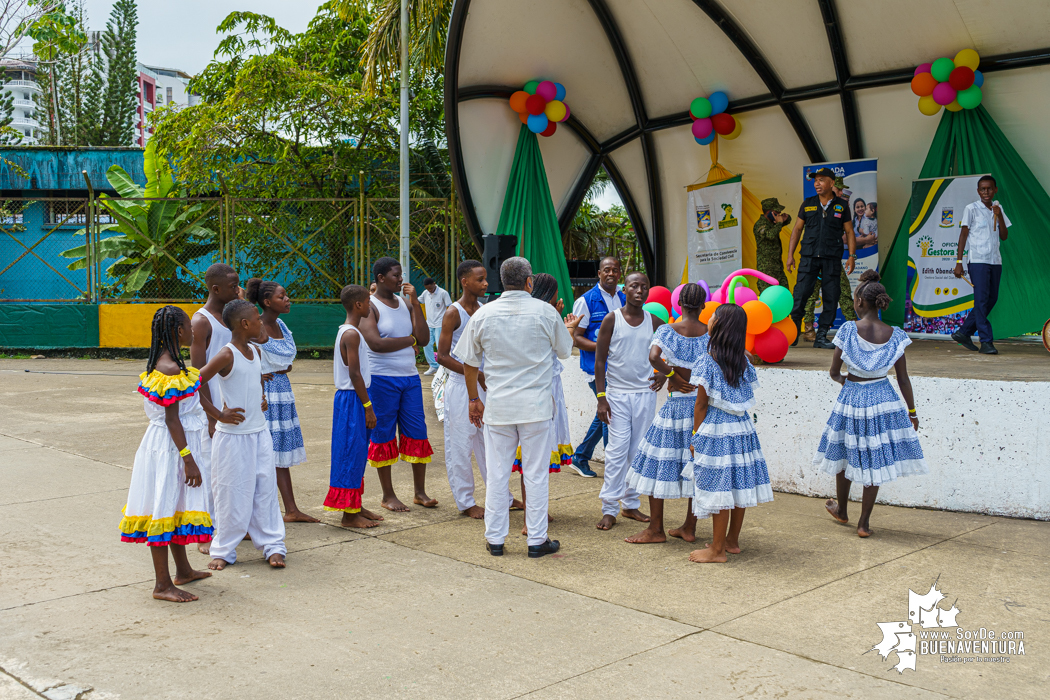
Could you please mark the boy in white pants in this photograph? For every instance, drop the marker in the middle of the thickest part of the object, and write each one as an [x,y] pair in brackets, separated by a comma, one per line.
[626,395]
[244,476]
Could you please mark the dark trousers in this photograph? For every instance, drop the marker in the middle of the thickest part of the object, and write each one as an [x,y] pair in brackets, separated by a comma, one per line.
[809,269]
[597,431]
[985,279]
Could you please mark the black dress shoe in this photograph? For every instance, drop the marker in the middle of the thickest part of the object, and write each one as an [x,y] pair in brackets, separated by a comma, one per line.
[988,349]
[495,550]
[822,341]
[548,547]
[964,340]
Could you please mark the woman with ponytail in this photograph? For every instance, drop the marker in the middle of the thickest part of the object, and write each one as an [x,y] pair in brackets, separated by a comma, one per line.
[871,436]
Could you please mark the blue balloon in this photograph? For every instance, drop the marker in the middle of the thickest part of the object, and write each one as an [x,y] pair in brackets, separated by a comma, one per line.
[978,78]
[537,123]
[707,139]
[561,92]
[719,102]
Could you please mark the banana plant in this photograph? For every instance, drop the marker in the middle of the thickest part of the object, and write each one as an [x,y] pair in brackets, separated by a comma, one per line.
[157,234]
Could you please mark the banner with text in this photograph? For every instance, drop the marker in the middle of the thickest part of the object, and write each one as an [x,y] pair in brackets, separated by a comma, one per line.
[937,300]
[860,178]
[715,219]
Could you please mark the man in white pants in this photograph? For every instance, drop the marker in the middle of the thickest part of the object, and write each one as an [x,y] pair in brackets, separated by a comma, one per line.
[626,395]
[516,335]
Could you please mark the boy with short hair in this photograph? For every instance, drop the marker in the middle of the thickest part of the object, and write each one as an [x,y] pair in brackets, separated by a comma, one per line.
[352,417]
[243,473]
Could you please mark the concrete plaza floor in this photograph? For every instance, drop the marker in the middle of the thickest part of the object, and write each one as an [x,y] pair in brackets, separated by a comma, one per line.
[417,608]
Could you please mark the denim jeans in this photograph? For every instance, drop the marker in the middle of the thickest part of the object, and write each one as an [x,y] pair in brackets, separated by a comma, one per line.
[431,346]
[597,431]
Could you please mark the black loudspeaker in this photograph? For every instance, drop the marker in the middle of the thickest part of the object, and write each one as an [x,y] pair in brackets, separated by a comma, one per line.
[496,250]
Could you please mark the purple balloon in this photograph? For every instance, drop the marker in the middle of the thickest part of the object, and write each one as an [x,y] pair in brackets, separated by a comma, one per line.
[944,94]
[547,90]
[702,128]
[924,68]
[566,117]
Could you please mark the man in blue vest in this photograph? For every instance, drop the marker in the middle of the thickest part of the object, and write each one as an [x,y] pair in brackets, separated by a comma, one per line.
[591,308]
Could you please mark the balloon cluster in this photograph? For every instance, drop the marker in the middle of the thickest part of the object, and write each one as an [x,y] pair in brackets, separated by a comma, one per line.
[770,329]
[541,106]
[710,118]
[946,83]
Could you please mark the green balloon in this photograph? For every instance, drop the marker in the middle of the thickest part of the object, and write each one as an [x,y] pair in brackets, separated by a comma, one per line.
[530,87]
[779,301]
[942,69]
[657,309]
[970,97]
[700,108]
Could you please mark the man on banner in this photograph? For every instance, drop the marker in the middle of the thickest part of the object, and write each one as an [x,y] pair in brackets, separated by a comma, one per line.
[984,225]
[825,218]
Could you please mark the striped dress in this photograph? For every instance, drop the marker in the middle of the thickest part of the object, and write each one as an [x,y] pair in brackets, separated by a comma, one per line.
[281,416]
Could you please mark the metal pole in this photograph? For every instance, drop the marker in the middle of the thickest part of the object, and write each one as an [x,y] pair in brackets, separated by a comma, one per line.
[405,266]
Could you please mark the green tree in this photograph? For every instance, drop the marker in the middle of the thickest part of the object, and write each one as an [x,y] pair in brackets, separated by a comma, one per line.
[70,65]
[110,108]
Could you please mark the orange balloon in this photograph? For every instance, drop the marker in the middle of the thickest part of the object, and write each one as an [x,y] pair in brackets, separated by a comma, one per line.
[923,84]
[524,116]
[788,328]
[759,317]
[709,310]
[749,343]
[517,101]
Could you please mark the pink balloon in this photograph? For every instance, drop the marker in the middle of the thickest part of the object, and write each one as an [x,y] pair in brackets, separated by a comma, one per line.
[742,295]
[675,306]
[944,94]
[702,128]
[719,297]
[547,90]
[924,68]
[566,117]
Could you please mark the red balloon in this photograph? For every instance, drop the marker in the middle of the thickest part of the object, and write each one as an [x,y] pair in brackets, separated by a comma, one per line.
[535,104]
[552,126]
[723,123]
[660,295]
[771,345]
[961,78]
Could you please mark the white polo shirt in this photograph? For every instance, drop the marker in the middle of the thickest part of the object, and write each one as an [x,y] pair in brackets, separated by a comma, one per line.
[983,241]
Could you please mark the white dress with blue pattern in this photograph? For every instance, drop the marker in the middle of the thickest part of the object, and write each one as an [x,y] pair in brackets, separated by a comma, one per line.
[661,467]
[869,434]
[729,470]
[281,417]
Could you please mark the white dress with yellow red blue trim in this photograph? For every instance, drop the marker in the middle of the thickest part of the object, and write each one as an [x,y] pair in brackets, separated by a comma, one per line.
[869,434]
[161,509]
[560,440]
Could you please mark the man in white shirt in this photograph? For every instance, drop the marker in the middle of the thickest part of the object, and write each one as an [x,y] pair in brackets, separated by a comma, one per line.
[435,301]
[516,334]
[984,225]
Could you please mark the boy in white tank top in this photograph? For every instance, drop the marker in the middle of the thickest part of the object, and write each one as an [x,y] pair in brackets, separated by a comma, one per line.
[352,417]
[626,395]
[244,475]
[210,335]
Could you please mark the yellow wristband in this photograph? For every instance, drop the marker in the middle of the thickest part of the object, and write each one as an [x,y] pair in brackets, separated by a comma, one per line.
[185,452]
[911,411]
[670,374]
[366,405]
[601,394]
[414,342]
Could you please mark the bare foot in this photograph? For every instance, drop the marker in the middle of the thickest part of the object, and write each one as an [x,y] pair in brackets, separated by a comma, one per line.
[424,500]
[395,505]
[218,564]
[689,535]
[276,561]
[863,531]
[707,556]
[370,515]
[647,536]
[606,522]
[357,520]
[297,516]
[515,504]
[475,511]
[174,595]
[191,575]
[730,548]
[204,547]
[635,514]
[833,509]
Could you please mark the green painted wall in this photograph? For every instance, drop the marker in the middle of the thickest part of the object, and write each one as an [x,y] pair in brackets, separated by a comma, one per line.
[314,325]
[49,325]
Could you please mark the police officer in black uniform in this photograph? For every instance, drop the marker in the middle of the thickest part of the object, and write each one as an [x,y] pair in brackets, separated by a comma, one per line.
[825,218]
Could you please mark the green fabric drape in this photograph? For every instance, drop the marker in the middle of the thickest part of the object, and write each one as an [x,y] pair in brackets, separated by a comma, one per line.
[970,143]
[528,214]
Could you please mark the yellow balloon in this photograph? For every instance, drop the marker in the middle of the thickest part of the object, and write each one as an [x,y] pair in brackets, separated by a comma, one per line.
[954,106]
[555,110]
[968,58]
[735,132]
[928,107]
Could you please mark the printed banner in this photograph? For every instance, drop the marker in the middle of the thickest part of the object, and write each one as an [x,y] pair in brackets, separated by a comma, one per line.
[937,301]
[860,180]
[715,220]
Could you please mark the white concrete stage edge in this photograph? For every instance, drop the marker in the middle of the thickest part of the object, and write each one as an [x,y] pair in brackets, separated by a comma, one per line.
[987,443]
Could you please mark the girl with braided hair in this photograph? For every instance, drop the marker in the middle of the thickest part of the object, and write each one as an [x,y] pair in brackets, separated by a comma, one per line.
[871,436]
[166,507]
[662,467]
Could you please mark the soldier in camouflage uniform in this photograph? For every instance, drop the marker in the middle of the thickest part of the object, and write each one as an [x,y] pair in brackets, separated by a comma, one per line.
[767,241]
[845,291]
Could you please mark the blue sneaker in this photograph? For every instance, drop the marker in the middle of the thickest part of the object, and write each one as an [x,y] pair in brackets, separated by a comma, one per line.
[581,467]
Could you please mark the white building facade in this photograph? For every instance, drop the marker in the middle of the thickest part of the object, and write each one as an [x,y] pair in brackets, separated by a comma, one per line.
[20,82]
